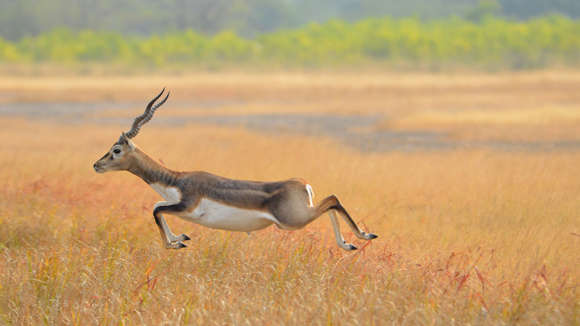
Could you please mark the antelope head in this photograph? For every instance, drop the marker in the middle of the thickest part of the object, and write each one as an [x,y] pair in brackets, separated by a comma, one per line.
[120,155]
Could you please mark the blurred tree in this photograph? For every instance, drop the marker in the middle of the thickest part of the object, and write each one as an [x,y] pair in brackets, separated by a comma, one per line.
[493,42]
[484,9]
[20,18]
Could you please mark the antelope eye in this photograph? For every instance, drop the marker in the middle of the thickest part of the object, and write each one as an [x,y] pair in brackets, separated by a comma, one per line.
[116,151]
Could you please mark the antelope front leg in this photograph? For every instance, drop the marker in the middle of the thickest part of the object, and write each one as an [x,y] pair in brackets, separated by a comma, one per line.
[171,240]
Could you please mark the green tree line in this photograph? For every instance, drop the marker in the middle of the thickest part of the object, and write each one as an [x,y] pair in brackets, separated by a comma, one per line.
[488,42]
[20,18]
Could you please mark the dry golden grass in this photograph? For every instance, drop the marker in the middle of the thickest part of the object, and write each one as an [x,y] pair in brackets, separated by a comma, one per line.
[480,237]
[339,93]
[465,237]
[533,106]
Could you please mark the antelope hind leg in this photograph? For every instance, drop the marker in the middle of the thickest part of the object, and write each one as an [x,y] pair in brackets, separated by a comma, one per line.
[338,236]
[355,229]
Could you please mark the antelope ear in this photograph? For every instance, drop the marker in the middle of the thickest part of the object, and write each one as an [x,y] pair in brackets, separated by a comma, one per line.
[130,144]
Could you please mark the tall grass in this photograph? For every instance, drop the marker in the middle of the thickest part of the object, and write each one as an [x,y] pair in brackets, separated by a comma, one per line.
[478,237]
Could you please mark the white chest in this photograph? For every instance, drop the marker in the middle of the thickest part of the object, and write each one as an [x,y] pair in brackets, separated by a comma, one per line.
[214,214]
[170,194]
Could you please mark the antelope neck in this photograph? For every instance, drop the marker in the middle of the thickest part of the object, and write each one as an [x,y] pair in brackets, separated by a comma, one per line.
[151,171]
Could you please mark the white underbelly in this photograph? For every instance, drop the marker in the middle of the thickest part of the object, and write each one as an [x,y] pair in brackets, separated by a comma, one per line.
[216,215]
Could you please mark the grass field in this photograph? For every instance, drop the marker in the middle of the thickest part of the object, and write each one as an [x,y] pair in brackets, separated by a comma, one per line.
[468,235]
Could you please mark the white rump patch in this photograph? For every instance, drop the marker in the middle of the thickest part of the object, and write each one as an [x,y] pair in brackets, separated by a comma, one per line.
[310,195]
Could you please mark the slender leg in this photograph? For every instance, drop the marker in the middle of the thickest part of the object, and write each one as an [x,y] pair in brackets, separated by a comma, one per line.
[332,205]
[355,229]
[170,236]
[171,240]
[302,214]
[339,239]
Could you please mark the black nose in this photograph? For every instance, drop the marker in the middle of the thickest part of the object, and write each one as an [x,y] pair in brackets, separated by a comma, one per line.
[94,165]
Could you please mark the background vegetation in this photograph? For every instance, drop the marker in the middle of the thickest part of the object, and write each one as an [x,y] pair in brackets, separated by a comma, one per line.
[483,41]
[292,34]
[247,17]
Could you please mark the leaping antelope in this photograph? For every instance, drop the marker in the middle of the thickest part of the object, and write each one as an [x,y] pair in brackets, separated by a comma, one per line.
[217,202]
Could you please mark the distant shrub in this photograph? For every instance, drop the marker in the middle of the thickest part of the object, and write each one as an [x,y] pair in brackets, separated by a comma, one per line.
[486,42]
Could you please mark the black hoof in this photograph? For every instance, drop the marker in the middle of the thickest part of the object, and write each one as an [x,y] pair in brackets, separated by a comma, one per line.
[372,236]
[352,247]
[174,245]
[185,237]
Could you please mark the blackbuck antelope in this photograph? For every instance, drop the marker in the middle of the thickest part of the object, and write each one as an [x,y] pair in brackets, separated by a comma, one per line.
[218,202]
